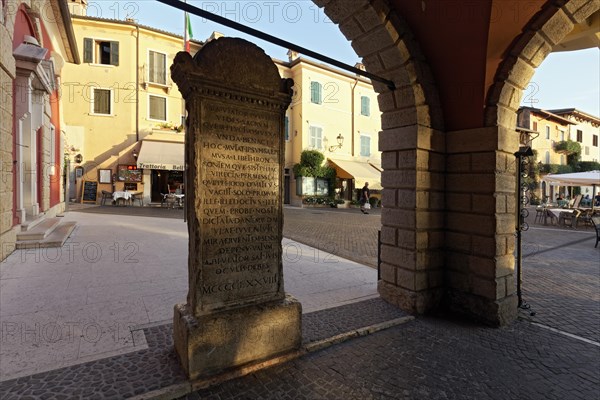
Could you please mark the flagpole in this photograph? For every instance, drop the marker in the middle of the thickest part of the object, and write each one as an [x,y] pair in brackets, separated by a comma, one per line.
[184,114]
[185,28]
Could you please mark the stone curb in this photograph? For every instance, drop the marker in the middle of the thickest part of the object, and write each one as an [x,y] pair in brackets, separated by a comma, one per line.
[182,389]
[367,330]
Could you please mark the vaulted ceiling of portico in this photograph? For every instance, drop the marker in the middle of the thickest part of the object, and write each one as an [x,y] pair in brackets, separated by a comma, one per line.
[464,42]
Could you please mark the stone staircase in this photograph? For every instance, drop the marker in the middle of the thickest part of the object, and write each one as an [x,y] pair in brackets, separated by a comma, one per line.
[44,232]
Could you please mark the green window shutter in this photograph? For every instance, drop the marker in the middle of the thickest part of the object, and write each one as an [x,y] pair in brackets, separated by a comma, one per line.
[315,92]
[114,53]
[365,106]
[88,50]
[287,129]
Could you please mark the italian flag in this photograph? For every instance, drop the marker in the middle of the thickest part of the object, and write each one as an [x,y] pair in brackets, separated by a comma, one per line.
[188,33]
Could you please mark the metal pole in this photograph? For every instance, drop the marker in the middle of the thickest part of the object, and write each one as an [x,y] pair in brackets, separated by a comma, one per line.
[67,183]
[518,219]
[378,255]
[522,160]
[274,40]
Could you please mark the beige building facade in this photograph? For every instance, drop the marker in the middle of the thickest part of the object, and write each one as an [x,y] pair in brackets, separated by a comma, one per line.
[337,114]
[124,112]
[584,129]
[551,129]
[123,108]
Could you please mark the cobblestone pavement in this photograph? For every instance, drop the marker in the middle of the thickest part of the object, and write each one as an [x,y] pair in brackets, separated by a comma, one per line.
[561,280]
[428,358]
[346,233]
[157,366]
[431,359]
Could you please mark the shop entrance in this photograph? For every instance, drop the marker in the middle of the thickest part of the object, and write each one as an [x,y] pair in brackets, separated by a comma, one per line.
[163,182]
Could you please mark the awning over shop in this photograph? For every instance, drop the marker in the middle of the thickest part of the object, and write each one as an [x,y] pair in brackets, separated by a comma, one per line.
[161,155]
[376,164]
[574,179]
[361,172]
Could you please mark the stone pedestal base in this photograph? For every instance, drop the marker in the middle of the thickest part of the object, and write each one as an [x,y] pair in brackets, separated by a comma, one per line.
[218,342]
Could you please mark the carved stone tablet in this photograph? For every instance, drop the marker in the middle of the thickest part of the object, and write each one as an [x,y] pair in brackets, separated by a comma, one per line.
[236,104]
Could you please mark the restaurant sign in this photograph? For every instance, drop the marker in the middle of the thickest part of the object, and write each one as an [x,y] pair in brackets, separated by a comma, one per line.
[168,167]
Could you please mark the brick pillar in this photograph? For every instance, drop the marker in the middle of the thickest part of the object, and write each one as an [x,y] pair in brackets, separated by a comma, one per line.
[412,143]
[412,217]
[481,203]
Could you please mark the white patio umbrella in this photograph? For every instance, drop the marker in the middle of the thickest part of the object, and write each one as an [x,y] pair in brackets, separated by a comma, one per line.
[589,178]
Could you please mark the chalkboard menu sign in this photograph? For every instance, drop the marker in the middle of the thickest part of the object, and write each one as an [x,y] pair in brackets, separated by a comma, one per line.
[89,192]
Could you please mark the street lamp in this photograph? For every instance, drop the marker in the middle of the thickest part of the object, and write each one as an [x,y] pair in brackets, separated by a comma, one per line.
[340,140]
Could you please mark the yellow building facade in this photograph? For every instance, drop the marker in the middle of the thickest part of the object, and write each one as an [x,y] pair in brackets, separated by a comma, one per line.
[120,98]
[337,114]
[585,129]
[124,113]
[550,128]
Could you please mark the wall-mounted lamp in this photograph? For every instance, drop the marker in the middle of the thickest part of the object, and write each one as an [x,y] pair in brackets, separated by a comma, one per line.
[134,153]
[78,158]
[340,140]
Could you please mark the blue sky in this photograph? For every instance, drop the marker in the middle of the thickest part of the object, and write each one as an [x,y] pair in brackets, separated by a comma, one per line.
[564,80]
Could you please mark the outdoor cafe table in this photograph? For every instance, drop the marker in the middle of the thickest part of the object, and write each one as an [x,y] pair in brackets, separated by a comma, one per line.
[555,213]
[126,196]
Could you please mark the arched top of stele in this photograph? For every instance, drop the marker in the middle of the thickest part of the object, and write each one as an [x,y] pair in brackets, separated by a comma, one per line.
[231,60]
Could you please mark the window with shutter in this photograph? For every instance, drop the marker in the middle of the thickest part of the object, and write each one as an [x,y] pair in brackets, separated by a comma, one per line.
[315,92]
[365,106]
[101,101]
[315,139]
[365,145]
[88,50]
[157,108]
[100,51]
[157,69]
[114,53]
[287,129]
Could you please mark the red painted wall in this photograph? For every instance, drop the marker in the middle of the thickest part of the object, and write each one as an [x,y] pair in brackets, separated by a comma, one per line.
[23,26]
[54,118]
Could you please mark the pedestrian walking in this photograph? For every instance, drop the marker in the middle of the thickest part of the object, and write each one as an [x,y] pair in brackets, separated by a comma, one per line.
[365,195]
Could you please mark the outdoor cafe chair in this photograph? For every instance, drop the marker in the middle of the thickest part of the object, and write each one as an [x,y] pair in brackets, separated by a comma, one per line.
[139,196]
[539,214]
[570,217]
[106,196]
[596,222]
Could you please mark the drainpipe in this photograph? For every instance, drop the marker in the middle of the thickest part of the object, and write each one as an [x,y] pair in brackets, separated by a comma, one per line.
[352,114]
[137,83]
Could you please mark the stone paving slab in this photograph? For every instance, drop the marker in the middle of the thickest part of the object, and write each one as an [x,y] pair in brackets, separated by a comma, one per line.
[157,367]
[431,359]
[561,280]
[60,307]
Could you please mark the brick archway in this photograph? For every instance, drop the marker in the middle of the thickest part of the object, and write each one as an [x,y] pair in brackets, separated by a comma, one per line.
[545,30]
[412,145]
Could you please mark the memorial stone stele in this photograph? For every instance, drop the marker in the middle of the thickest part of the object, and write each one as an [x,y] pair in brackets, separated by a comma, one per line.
[237,312]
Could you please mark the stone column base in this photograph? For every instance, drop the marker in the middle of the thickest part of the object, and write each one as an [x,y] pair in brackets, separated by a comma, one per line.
[409,300]
[491,312]
[215,343]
